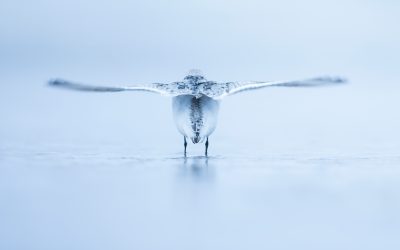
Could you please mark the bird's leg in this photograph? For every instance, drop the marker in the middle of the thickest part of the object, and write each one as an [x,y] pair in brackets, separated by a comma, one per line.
[206,147]
[184,144]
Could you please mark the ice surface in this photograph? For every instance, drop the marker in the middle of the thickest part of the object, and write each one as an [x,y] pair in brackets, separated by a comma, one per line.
[59,197]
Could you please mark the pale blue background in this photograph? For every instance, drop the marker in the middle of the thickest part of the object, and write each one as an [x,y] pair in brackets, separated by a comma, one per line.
[289,168]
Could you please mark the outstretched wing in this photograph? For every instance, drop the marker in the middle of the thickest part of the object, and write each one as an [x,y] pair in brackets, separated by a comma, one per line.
[170,89]
[231,88]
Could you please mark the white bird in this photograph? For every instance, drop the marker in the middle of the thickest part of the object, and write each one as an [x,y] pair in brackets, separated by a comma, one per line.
[196,100]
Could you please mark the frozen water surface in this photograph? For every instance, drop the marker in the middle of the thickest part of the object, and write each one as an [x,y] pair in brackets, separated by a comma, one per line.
[102,197]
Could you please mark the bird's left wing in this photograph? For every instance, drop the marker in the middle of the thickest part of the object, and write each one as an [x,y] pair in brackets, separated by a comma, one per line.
[230,88]
[166,89]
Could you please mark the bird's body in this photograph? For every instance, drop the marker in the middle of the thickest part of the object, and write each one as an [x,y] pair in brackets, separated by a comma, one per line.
[195,117]
[196,100]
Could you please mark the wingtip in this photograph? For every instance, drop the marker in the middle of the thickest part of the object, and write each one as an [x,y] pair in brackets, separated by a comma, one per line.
[339,79]
[345,80]
[333,79]
[51,82]
[55,82]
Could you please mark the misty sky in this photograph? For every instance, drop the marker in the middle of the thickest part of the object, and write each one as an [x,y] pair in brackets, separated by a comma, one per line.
[157,40]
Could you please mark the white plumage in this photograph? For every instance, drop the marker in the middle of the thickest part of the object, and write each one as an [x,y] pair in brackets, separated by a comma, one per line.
[196,100]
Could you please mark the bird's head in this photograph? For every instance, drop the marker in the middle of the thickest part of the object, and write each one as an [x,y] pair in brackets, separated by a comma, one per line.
[195,76]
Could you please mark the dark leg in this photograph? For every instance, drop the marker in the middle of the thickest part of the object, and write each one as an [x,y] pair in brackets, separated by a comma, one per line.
[184,144]
[207,147]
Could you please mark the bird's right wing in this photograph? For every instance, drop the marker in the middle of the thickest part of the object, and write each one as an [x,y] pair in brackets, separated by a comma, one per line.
[231,88]
[166,89]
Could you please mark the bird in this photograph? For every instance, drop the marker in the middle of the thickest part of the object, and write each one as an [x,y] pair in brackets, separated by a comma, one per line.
[196,100]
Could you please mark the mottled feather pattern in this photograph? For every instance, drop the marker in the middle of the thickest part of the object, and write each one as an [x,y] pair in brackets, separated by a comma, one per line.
[197,85]
[195,99]
[196,118]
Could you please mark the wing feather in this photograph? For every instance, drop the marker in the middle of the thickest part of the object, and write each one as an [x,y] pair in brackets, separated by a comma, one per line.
[160,88]
[231,88]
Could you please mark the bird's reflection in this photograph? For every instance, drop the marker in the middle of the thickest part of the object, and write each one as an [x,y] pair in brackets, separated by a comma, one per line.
[197,168]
